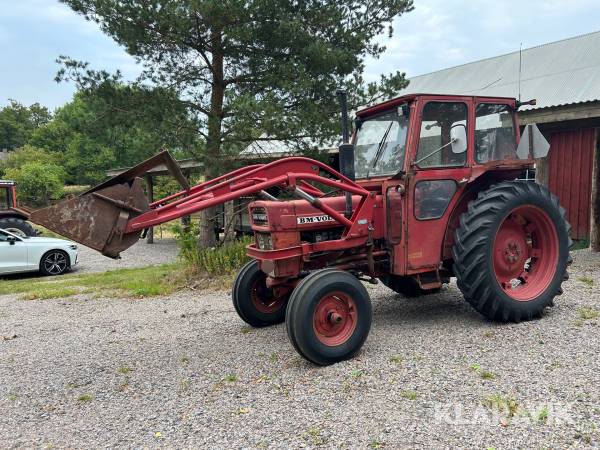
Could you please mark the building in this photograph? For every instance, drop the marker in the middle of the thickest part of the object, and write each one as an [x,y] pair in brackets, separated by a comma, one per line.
[564,78]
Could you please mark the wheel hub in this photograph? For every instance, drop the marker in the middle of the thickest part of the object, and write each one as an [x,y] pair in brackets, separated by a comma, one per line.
[334,318]
[525,253]
[264,299]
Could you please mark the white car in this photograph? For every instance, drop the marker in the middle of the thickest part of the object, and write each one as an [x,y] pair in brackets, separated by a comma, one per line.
[31,254]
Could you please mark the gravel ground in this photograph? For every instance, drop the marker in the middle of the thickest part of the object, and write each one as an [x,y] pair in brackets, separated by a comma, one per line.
[140,255]
[184,371]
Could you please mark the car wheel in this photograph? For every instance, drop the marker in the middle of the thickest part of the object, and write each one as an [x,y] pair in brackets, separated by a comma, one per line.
[54,262]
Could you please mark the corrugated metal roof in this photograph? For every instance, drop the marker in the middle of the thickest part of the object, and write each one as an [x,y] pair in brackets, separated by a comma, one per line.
[558,73]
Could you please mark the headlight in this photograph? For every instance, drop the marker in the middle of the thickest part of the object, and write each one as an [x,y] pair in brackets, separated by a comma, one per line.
[264,241]
[73,247]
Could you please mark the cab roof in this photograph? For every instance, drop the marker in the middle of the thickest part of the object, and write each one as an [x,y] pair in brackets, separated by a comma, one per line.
[410,97]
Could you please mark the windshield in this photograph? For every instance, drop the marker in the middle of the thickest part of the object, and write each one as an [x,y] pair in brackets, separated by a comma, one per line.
[380,145]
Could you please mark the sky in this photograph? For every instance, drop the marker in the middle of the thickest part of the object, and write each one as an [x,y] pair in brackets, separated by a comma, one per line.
[436,35]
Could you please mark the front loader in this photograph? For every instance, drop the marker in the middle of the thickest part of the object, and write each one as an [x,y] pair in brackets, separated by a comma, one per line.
[431,188]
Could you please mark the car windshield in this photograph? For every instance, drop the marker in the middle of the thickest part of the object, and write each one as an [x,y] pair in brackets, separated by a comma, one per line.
[380,145]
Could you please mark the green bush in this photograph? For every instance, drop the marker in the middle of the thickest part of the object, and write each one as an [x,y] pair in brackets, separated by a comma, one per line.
[38,183]
[28,154]
[225,259]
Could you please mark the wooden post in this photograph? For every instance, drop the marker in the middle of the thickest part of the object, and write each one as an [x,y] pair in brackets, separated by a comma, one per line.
[186,221]
[150,193]
[595,213]
[541,171]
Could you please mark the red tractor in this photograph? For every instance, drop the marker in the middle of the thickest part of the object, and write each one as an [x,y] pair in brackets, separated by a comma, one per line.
[13,218]
[430,188]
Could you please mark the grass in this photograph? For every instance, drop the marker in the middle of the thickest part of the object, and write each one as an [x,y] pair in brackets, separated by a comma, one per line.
[140,282]
[396,359]
[503,404]
[484,374]
[409,395]
[542,415]
[224,259]
[589,282]
[124,370]
[231,378]
[580,244]
[588,313]
[357,373]
[85,398]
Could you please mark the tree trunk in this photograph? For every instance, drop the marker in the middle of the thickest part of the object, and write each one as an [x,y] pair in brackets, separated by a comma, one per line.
[595,214]
[207,236]
[150,192]
[229,221]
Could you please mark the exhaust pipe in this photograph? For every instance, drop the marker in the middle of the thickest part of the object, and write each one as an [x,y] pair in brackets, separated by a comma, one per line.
[346,150]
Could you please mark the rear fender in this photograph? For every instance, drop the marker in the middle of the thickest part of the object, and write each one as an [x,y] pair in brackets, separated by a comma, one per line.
[475,186]
[13,214]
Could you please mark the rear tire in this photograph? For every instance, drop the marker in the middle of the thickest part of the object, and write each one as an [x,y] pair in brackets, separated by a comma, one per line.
[17,226]
[511,251]
[253,300]
[328,316]
[407,286]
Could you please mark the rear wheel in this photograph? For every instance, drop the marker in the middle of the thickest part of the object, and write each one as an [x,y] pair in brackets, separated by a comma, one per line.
[328,316]
[17,226]
[511,251]
[254,302]
[407,286]
[54,262]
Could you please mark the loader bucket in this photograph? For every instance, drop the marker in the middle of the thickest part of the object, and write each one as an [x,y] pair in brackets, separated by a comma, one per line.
[97,218]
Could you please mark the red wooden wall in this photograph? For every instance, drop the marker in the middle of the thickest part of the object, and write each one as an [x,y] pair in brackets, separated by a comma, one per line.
[570,175]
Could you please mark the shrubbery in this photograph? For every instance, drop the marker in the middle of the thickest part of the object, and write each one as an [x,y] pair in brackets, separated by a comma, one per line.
[38,183]
[224,259]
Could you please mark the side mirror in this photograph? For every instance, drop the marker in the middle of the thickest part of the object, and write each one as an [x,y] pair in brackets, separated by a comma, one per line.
[11,240]
[458,138]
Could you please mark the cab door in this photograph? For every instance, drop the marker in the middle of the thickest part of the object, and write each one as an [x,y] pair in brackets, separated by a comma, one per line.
[13,256]
[439,169]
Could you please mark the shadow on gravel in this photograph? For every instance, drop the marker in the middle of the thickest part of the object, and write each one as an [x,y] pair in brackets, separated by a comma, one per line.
[395,309]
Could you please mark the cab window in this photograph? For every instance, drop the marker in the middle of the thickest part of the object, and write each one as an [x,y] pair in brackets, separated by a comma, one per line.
[495,137]
[435,140]
[4,198]
[3,237]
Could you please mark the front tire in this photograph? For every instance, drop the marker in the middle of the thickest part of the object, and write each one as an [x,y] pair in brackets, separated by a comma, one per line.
[511,251]
[328,316]
[54,262]
[254,302]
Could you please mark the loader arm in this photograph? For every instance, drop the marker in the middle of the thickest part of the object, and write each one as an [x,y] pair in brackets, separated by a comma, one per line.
[111,216]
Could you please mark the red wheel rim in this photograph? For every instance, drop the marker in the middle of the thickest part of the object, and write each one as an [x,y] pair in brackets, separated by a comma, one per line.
[525,253]
[334,319]
[263,299]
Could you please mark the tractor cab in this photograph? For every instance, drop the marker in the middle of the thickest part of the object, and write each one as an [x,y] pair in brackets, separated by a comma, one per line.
[428,132]
[8,197]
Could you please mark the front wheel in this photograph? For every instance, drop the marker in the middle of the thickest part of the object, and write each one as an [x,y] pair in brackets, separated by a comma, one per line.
[328,316]
[511,251]
[55,262]
[255,303]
